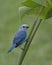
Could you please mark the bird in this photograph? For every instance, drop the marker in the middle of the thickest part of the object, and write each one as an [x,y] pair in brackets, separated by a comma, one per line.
[19,37]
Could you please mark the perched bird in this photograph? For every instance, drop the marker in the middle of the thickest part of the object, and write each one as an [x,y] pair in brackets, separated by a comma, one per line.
[19,37]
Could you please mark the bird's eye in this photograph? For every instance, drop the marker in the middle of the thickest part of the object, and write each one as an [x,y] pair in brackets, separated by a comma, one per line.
[23,26]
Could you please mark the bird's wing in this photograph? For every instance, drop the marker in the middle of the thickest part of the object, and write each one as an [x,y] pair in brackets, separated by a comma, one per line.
[19,37]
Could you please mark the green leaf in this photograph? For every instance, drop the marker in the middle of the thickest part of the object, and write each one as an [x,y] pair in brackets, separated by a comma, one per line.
[50,2]
[30,3]
[49,14]
[31,7]
[41,2]
[33,10]
[23,10]
[44,12]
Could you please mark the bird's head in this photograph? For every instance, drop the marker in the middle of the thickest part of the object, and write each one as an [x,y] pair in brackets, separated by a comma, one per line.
[24,27]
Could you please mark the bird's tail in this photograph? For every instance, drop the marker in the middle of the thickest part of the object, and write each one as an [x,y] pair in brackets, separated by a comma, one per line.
[13,46]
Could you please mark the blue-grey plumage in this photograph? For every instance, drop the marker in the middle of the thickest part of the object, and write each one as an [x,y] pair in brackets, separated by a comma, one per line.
[19,37]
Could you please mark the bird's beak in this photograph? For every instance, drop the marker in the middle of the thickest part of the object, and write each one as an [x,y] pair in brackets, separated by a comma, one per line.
[27,26]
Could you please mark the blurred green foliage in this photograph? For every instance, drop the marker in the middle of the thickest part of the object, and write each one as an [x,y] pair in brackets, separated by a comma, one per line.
[40,51]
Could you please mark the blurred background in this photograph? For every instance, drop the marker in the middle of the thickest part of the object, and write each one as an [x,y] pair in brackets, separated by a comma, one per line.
[40,51]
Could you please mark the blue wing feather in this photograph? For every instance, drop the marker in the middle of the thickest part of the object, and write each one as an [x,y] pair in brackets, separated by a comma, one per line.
[19,38]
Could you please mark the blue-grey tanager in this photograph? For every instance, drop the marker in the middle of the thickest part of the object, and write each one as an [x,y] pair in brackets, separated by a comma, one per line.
[19,37]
